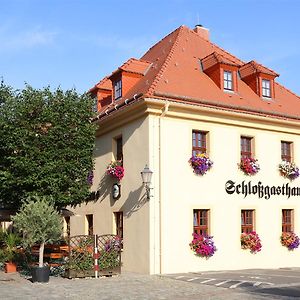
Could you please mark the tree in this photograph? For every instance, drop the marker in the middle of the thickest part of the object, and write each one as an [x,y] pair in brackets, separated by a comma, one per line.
[46,145]
[39,223]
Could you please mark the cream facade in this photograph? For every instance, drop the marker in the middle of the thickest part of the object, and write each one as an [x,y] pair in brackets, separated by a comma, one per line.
[185,83]
[157,232]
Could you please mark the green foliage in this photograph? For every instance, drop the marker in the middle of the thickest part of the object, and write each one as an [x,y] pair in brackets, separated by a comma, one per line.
[38,222]
[46,145]
[109,259]
[81,258]
[9,250]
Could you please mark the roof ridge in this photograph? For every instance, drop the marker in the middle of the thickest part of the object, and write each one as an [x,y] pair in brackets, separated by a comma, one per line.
[230,55]
[163,67]
[216,46]
[288,90]
[165,37]
[263,66]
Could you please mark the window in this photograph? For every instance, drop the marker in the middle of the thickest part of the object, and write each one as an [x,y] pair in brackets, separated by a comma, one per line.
[118,89]
[247,221]
[266,88]
[119,151]
[286,153]
[199,142]
[89,224]
[287,220]
[201,221]
[228,83]
[119,223]
[246,147]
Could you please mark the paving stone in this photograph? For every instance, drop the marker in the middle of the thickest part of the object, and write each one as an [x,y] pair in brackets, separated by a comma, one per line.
[126,286]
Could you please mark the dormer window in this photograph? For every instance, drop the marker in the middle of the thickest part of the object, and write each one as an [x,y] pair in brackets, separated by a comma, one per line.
[259,78]
[222,70]
[266,88]
[228,82]
[118,89]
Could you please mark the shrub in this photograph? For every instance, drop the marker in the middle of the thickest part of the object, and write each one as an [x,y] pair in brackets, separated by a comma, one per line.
[39,223]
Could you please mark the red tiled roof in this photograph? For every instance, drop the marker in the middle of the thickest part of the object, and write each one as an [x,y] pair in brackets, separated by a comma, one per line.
[133,65]
[216,58]
[104,84]
[175,71]
[254,67]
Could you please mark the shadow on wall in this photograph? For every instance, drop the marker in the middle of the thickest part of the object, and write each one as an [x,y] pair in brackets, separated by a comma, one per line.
[134,202]
[103,190]
[136,199]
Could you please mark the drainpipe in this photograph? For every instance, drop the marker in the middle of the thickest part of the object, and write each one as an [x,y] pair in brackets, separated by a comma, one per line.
[165,111]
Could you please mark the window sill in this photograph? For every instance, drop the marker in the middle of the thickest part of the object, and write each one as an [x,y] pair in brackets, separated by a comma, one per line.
[229,91]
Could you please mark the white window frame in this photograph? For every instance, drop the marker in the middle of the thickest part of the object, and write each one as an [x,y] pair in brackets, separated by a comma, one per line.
[266,88]
[118,89]
[228,80]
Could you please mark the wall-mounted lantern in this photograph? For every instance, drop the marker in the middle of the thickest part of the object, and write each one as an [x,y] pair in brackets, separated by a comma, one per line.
[146,177]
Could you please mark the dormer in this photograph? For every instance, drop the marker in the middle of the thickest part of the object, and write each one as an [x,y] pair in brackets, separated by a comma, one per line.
[126,76]
[222,71]
[259,78]
[102,92]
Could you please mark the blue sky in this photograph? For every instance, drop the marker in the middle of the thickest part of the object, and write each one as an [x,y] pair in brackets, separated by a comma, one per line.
[74,43]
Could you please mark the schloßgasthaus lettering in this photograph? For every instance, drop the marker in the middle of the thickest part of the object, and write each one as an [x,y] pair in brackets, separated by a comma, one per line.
[262,191]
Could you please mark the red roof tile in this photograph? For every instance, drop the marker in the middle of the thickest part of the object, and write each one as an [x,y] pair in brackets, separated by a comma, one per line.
[174,71]
[133,65]
[216,58]
[254,67]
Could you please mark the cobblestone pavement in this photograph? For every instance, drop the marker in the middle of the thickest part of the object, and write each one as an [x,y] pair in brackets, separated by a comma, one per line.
[125,286]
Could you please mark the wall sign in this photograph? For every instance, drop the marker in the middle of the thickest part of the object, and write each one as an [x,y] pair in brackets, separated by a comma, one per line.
[116,191]
[260,190]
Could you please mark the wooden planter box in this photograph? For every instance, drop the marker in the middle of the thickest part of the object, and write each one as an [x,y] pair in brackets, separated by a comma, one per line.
[91,273]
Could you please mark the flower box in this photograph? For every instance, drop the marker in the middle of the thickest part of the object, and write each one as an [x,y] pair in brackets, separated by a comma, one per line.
[288,170]
[251,241]
[203,245]
[249,165]
[200,163]
[115,170]
[289,240]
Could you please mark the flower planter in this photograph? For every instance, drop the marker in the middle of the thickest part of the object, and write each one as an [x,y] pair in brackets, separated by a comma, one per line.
[200,163]
[249,166]
[203,245]
[289,170]
[290,240]
[69,273]
[10,267]
[115,170]
[251,241]
[40,274]
[91,273]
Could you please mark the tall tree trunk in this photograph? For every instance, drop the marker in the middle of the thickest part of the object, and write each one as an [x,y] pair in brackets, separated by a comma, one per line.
[41,255]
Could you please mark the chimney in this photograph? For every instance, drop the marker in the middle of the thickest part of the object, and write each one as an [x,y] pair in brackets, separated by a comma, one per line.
[202,31]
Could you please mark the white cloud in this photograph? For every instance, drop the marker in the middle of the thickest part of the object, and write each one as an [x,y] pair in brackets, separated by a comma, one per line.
[132,45]
[11,41]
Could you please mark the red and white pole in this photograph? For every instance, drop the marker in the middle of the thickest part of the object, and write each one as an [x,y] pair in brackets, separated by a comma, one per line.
[96,256]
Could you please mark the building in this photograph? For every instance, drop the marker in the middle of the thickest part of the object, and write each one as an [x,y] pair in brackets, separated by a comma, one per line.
[185,96]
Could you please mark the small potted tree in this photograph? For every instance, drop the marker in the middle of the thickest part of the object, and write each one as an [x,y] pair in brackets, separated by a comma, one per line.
[11,242]
[39,223]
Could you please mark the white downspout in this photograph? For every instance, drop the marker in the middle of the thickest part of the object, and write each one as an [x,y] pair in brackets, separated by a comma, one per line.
[165,111]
